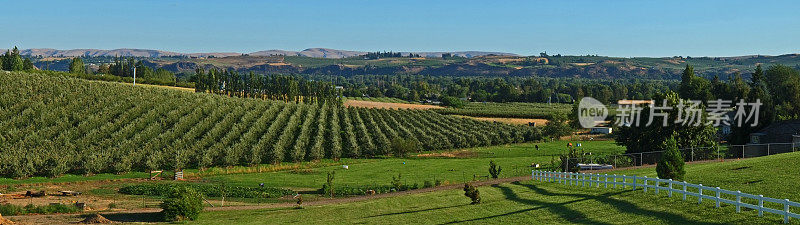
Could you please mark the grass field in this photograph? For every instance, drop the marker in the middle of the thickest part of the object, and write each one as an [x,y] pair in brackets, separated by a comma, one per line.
[546,203]
[515,159]
[774,176]
[516,203]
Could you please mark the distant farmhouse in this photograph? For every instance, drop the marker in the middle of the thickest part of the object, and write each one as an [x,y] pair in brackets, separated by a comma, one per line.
[778,132]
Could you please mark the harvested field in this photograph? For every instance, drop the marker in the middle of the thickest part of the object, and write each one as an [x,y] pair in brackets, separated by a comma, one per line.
[386,105]
[516,121]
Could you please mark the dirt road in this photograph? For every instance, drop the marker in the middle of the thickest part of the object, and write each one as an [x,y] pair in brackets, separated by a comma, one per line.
[148,214]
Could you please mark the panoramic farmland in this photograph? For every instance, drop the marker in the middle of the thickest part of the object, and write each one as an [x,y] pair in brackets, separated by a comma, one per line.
[412,112]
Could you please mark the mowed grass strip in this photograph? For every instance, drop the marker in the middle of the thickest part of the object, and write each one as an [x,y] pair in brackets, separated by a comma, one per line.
[515,203]
[472,163]
[775,176]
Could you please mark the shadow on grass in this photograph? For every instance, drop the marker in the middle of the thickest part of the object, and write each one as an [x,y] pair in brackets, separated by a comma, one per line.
[414,211]
[148,217]
[560,209]
[574,216]
[623,206]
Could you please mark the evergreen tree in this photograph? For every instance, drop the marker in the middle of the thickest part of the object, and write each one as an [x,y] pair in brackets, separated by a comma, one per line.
[671,164]
[7,58]
[76,66]
[27,64]
[13,60]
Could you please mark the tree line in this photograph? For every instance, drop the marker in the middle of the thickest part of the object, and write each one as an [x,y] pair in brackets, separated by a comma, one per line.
[488,89]
[12,61]
[777,88]
[273,87]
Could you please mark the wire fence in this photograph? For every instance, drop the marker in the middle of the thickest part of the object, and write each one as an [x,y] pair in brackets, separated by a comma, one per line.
[689,155]
[736,198]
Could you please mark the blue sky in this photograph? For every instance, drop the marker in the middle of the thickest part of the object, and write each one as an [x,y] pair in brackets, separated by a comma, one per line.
[613,28]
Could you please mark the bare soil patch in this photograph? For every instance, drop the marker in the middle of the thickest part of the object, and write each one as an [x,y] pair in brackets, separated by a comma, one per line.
[387,105]
[452,154]
[515,121]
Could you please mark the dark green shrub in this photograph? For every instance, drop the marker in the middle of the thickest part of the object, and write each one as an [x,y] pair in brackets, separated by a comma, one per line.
[12,210]
[397,182]
[427,184]
[183,203]
[401,146]
[328,188]
[494,169]
[452,102]
[472,192]
[671,164]
[161,189]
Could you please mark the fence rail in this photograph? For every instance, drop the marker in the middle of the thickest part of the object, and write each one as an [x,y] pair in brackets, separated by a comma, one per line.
[736,198]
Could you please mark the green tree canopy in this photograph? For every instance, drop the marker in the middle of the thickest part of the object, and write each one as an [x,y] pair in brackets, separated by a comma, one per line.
[76,66]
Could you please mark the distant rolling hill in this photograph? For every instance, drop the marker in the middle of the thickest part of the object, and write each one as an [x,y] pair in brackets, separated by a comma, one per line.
[311,52]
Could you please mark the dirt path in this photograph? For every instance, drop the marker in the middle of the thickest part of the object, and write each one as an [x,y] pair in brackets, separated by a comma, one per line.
[150,214]
[387,105]
[147,214]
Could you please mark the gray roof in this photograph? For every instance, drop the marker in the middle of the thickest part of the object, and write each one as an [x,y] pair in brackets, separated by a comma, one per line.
[780,131]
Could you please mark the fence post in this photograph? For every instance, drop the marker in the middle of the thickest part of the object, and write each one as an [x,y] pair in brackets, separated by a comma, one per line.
[700,197]
[738,201]
[641,160]
[569,177]
[561,178]
[717,147]
[743,151]
[658,186]
[606,183]
[717,197]
[634,182]
[684,190]
[786,211]
[768,149]
[583,180]
[598,180]
[760,205]
[670,188]
[624,182]
[692,148]
[645,184]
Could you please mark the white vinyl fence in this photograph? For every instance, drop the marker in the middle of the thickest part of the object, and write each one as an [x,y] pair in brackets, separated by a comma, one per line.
[736,198]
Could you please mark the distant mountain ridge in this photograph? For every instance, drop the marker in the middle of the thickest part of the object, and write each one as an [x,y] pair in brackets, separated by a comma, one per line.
[311,52]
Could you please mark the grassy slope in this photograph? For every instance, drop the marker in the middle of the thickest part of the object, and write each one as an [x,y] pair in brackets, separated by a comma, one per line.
[525,202]
[514,159]
[538,202]
[775,176]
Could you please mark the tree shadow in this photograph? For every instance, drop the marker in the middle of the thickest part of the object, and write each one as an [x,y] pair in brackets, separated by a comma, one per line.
[413,211]
[571,215]
[624,206]
[145,217]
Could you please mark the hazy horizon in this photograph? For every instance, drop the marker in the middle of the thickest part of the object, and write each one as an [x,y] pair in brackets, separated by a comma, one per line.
[619,29]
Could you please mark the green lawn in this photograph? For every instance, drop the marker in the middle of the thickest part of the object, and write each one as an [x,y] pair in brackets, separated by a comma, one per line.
[514,159]
[775,176]
[526,202]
